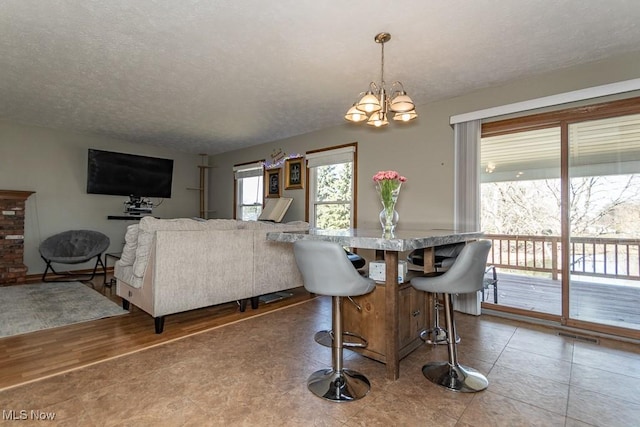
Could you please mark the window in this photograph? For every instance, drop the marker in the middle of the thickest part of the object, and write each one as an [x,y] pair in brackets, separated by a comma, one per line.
[331,188]
[248,191]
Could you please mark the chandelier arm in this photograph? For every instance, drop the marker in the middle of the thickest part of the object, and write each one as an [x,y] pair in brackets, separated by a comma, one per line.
[397,83]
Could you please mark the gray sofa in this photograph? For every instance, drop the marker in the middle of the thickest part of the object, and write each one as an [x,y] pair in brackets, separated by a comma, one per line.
[174,265]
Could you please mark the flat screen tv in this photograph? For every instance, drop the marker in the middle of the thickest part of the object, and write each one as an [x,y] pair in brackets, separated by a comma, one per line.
[121,174]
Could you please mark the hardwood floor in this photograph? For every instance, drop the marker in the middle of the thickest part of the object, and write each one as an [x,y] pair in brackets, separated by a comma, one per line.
[36,355]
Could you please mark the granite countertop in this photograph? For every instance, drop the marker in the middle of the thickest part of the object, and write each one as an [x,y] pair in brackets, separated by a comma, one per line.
[404,240]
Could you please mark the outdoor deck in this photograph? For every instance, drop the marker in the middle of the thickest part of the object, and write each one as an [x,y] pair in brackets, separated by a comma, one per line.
[611,304]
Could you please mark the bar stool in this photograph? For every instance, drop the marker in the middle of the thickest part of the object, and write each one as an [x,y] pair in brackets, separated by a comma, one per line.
[327,271]
[444,257]
[466,275]
[436,334]
[325,337]
[356,260]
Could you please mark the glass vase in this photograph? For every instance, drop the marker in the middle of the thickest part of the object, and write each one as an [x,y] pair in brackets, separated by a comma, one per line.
[389,220]
[389,217]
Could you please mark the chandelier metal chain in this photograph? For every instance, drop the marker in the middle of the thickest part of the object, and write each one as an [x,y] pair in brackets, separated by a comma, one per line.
[375,104]
[382,61]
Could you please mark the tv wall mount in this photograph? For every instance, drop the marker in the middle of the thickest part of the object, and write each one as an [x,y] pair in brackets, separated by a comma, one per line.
[138,206]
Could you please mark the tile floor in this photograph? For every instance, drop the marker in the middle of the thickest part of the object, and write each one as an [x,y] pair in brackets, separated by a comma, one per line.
[253,373]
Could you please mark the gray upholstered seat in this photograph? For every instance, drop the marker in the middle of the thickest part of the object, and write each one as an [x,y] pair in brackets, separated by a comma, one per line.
[73,247]
[466,275]
[327,271]
[444,256]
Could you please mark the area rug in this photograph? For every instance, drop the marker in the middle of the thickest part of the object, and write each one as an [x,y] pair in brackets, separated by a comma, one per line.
[28,308]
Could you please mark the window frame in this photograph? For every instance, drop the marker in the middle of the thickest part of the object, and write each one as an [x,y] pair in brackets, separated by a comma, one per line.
[311,179]
[238,171]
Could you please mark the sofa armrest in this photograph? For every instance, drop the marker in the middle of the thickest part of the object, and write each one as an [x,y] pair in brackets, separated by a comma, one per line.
[275,267]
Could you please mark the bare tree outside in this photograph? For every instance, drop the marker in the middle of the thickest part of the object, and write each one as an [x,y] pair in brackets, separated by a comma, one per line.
[599,206]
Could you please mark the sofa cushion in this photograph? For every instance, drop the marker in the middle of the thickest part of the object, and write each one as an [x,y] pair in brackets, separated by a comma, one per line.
[274,226]
[148,226]
[130,244]
[222,224]
[125,273]
[149,223]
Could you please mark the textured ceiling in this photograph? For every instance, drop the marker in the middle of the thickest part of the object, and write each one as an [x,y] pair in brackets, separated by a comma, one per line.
[211,76]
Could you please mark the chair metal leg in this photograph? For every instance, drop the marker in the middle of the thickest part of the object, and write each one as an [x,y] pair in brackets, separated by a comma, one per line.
[338,384]
[436,335]
[451,374]
[80,277]
[325,337]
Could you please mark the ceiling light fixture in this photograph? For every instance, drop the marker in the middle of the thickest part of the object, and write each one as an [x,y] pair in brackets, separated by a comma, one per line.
[374,105]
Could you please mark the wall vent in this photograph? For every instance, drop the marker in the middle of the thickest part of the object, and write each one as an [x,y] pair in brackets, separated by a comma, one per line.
[579,337]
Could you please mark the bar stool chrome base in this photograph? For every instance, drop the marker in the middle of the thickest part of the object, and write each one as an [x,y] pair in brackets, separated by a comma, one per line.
[455,377]
[325,338]
[343,386]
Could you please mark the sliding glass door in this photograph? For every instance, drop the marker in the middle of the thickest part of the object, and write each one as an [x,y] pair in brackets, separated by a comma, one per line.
[560,201]
[520,199]
[604,221]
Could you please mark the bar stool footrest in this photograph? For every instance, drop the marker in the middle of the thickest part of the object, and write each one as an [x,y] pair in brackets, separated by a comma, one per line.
[325,338]
[436,336]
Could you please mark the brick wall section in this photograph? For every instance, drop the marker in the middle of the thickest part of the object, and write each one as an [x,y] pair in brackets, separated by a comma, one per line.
[12,208]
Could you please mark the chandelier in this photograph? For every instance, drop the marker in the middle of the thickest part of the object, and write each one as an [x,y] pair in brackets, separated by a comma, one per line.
[375,104]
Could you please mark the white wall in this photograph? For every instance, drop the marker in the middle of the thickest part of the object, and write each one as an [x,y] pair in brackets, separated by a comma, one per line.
[54,165]
[422,151]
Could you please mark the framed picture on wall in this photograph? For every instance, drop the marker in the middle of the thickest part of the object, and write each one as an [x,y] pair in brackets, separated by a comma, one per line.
[272,180]
[294,174]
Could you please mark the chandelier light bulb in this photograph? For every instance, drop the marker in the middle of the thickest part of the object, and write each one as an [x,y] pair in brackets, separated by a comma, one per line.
[355,115]
[369,103]
[402,103]
[405,117]
[378,119]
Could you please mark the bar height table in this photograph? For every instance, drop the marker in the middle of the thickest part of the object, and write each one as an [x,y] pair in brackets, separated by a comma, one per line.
[389,246]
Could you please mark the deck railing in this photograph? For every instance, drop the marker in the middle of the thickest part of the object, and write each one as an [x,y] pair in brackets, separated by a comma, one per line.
[589,256]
